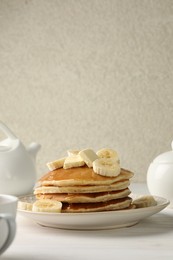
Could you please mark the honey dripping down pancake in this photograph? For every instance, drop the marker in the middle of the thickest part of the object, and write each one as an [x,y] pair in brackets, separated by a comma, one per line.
[85,197]
[80,176]
[96,207]
[83,188]
[86,181]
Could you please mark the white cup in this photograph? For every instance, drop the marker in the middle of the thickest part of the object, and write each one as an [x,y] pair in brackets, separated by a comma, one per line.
[8,207]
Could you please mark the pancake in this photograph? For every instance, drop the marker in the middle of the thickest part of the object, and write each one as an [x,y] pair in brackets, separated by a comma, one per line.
[86,197]
[80,176]
[116,204]
[83,189]
[80,189]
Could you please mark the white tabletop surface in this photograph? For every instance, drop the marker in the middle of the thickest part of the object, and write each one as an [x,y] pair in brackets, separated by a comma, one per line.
[152,238]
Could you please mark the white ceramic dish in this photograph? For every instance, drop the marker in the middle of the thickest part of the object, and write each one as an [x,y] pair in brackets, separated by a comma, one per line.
[93,220]
[160,177]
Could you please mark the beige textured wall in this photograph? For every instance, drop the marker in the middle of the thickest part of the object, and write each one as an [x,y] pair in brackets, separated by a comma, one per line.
[78,74]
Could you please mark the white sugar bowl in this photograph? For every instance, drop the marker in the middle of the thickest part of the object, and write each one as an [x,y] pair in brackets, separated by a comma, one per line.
[160,176]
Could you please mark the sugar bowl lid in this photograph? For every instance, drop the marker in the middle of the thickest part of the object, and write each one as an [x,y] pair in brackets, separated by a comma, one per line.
[166,157]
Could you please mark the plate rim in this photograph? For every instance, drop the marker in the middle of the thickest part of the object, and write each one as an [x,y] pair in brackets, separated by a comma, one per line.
[165,202]
[103,220]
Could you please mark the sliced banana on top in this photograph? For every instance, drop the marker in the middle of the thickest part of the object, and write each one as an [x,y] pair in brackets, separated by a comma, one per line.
[73,161]
[73,152]
[56,164]
[144,201]
[108,153]
[88,155]
[47,205]
[106,167]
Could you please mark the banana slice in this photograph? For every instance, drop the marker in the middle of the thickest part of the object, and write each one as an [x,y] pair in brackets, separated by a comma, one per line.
[88,155]
[73,161]
[73,152]
[106,167]
[108,153]
[47,205]
[144,201]
[24,205]
[56,164]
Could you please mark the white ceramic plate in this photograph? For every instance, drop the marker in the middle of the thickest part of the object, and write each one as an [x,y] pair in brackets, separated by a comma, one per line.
[93,220]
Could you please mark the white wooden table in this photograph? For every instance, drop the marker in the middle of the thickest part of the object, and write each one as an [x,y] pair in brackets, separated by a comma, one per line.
[150,239]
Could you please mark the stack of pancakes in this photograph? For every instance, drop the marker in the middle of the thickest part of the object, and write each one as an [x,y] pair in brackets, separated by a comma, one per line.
[80,189]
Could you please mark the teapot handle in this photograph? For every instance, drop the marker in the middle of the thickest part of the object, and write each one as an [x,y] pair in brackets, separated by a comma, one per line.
[7,131]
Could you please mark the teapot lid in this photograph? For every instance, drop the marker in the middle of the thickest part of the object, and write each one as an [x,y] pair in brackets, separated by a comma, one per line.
[4,148]
[165,157]
[10,142]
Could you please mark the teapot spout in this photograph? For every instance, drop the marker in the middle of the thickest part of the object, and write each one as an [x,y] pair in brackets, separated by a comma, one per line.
[33,149]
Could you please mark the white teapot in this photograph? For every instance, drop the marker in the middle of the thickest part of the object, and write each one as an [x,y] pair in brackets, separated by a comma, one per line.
[17,164]
[160,176]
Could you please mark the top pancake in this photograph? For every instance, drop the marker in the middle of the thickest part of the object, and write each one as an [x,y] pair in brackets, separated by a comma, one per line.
[80,176]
